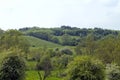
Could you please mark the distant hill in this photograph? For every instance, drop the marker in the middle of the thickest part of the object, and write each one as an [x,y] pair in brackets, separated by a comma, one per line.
[66,35]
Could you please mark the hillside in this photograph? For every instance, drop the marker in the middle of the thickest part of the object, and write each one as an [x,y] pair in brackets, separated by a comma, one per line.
[67,35]
[36,42]
[57,50]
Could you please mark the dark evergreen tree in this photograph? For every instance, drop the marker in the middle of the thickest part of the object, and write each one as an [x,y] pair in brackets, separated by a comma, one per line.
[13,68]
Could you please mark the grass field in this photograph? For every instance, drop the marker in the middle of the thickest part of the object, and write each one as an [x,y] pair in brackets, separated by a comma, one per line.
[30,75]
[36,42]
[33,75]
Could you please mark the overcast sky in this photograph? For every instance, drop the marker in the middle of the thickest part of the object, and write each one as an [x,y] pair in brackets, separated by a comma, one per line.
[15,14]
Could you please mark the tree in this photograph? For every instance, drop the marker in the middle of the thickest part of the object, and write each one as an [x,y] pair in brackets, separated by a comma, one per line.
[10,39]
[24,46]
[90,44]
[1,32]
[113,72]
[108,49]
[55,40]
[13,68]
[62,62]
[68,40]
[14,40]
[45,65]
[85,68]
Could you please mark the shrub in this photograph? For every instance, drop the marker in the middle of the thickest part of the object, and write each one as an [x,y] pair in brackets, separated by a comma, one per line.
[45,65]
[85,68]
[66,51]
[113,72]
[13,68]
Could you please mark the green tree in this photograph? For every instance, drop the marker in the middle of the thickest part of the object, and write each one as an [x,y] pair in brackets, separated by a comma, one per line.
[78,49]
[90,44]
[10,39]
[85,68]
[55,40]
[113,72]
[108,49]
[1,32]
[14,40]
[66,39]
[13,68]
[45,65]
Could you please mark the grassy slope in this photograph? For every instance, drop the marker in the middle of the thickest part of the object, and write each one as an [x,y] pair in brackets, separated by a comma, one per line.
[33,75]
[41,43]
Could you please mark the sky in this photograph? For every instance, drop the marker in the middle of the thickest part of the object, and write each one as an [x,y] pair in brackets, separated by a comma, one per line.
[15,14]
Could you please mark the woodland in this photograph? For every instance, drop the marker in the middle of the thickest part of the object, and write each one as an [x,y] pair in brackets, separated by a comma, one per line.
[60,53]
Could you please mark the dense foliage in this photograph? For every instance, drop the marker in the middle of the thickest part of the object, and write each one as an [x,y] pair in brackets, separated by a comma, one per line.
[86,68]
[45,65]
[50,52]
[113,72]
[66,35]
[13,40]
[13,68]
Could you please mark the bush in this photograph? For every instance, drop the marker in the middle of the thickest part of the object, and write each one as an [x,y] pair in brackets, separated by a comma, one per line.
[113,72]
[61,62]
[85,68]
[45,65]
[66,51]
[13,68]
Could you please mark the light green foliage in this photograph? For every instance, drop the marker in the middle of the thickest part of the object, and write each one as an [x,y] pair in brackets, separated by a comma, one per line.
[30,65]
[10,39]
[85,68]
[90,44]
[86,45]
[35,54]
[3,55]
[113,72]
[108,49]
[32,75]
[13,40]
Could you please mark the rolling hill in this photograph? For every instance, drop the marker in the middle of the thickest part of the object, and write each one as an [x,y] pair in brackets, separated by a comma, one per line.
[36,42]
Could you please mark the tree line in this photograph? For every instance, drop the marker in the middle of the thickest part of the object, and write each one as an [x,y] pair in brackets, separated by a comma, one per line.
[74,34]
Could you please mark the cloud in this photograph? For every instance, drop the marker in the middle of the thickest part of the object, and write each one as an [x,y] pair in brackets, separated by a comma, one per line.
[109,2]
[50,13]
